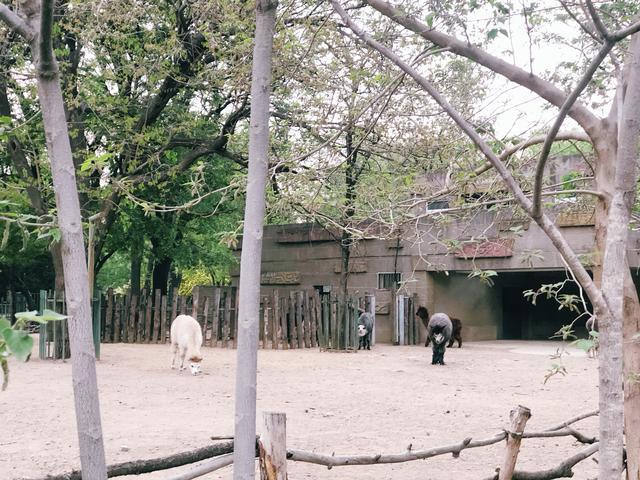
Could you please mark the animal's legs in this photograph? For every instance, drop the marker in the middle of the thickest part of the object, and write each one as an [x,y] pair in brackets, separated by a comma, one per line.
[174,351]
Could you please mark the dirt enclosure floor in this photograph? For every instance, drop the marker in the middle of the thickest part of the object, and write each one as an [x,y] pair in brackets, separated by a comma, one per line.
[378,401]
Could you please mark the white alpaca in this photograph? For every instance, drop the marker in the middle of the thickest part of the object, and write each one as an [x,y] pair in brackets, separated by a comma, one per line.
[186,336]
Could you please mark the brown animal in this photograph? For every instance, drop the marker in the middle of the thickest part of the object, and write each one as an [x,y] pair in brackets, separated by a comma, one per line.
[456,334]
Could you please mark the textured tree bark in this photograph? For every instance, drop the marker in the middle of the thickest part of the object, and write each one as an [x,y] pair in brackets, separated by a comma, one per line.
[36,26]
[617,285]
[273,446]
[519,417]
[249,302]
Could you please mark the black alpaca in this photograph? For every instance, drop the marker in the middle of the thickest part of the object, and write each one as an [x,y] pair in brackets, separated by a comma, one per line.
[439,329]
[456,334]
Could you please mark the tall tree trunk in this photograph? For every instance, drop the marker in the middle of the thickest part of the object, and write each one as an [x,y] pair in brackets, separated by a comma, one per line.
[250,262]
[615,269]
[161,271]
[136,254]
[351,180]
[56,258]
[631,357]
[83,369]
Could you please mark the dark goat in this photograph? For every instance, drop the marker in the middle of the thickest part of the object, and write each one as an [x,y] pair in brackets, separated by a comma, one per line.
[366,322]
[456,323]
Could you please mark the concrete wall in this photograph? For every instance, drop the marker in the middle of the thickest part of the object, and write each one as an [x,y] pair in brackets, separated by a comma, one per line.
[476,304]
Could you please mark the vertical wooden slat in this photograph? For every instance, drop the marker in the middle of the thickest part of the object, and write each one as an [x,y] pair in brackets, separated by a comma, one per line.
[412,314]
[148,318]
[405,307]
[315,316]
[205,320]
[195,303]
[333,321]
[136,317]
[174,306]
[182,300]
[284,313]
[293,328]
[275,320]
[163,319]
[307,319]
[116,318]
[124,317]
[226,339]
[299,319]
[235,298]
[263,321]
[215,321]
[156,316]
[42,338]
[109,337]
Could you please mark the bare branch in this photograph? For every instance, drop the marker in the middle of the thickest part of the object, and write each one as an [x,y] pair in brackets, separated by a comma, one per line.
[573,420]
[545,89]
[551,230]
[625,32]
[546,147]
[597,21]
[16,23]
[206,467]
[335,461]
[586,28]
[563,470]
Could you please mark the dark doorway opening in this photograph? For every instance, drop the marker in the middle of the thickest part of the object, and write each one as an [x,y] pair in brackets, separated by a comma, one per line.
[521,320]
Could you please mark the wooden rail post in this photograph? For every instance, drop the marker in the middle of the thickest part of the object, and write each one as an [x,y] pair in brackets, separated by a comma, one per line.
[273,446]
[519,417]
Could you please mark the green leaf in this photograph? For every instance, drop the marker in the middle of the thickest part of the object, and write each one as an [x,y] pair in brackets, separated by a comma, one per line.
[429,20]
[584,344]
[19,342]
[47,316]
[493,33]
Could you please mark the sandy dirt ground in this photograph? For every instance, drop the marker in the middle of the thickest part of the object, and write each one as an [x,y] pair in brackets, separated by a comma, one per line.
[370,402]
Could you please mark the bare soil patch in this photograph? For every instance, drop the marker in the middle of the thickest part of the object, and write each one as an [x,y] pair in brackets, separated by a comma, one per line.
[370,402]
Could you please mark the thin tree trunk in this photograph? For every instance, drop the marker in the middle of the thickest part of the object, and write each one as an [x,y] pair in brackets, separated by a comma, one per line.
[614,270]
[631,372]
[83,370]
[249,304]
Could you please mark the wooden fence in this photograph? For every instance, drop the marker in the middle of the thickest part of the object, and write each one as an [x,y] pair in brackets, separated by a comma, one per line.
[54,336]
[297,319]
[406,330]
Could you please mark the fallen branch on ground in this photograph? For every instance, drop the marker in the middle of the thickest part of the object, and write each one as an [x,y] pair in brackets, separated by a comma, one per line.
[563,470]
[137,467]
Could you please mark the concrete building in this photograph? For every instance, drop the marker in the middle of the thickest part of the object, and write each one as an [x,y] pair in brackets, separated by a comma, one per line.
[306,256]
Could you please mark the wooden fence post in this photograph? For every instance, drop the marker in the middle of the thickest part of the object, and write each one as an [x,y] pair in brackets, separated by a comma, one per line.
[276,321]
[157,311]
[215,321]
[273,446]
[163,320]
[519,417]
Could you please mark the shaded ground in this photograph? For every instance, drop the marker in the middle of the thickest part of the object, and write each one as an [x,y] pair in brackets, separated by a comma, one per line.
[369,402]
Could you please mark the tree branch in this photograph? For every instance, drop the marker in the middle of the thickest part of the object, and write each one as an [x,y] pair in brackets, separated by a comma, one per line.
[597,21]
[563,470]
[47,66]
[16,23]
[568,103]
[138,467]
[545,89]
[550,229]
